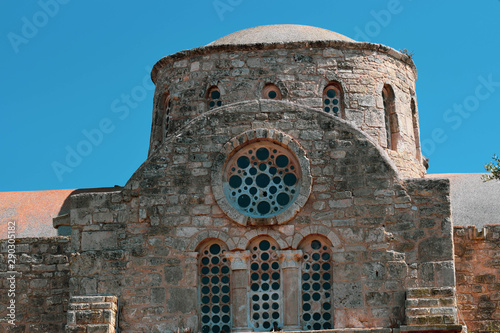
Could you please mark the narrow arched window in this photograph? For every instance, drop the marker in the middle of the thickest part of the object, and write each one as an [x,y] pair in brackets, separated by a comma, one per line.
[416,136]
[213,98]
[265,285]
[391,120]
[270,91]
[214,286]
[332,99]
[317,298]
[166,108]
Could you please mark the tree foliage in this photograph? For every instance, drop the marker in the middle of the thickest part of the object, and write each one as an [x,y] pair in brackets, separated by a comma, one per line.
[494,168]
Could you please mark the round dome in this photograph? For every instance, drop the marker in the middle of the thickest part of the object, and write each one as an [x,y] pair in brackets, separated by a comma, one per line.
[282,33]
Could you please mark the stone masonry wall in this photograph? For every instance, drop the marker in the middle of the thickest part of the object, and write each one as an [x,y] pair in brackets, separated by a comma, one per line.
[428,233]
[477,260]
[42,285]
[301,72]
[140,244]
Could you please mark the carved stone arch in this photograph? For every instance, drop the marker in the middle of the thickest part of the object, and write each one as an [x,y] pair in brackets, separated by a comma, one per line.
[275,235]
[200,237]
[272,81]
[322,231]
[312,236]
[207,241]
[196,124]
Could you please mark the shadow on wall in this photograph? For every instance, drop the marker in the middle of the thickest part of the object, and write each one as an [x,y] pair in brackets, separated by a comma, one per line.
[31,213]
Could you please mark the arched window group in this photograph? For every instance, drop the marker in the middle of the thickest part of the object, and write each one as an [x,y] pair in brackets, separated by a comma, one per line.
[272,288]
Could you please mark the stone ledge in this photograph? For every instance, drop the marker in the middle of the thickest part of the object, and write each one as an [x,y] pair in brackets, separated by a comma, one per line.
[348,330]
[92,299]
[413,293]
[431,329]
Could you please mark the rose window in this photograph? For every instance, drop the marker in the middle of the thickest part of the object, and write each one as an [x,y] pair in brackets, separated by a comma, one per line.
[262,179]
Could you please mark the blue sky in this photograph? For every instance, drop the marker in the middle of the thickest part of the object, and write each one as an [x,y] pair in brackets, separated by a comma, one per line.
[65,62]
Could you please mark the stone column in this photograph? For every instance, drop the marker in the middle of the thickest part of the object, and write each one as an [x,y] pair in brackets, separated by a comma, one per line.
[290,268]
[239,284]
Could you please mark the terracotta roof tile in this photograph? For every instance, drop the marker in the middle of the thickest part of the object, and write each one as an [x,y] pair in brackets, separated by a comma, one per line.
[33,210]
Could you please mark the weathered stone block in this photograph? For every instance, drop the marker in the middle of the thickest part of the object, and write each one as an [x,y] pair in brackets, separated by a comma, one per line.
[348,295]
[377,298]
[173,274]
[157,295]
[99,240]
[181,299]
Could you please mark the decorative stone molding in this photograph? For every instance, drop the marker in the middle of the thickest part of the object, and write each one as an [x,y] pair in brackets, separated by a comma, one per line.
[290,258]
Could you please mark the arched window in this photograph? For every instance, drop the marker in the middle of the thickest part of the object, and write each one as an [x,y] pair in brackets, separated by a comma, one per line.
[416,136]
[332,99]
[270,91]
[391,120]
[214,273]
[213,98]
[316,284]
[265,285]
[166,106]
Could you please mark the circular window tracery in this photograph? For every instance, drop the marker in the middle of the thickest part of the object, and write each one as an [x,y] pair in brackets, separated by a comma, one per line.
[239,146]
[262,179]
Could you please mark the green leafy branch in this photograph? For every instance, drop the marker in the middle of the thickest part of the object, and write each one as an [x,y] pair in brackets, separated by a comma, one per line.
[494,168]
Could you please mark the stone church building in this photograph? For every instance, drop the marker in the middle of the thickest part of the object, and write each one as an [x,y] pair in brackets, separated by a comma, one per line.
[284,189]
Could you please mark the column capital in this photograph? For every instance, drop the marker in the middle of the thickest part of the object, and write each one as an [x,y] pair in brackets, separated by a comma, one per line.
[290,258]
[239,259]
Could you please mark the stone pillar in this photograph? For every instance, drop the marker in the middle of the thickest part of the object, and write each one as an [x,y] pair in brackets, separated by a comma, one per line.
[290,268]
[239,285]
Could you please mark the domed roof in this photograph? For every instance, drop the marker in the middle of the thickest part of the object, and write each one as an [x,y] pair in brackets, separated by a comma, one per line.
[281,33]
